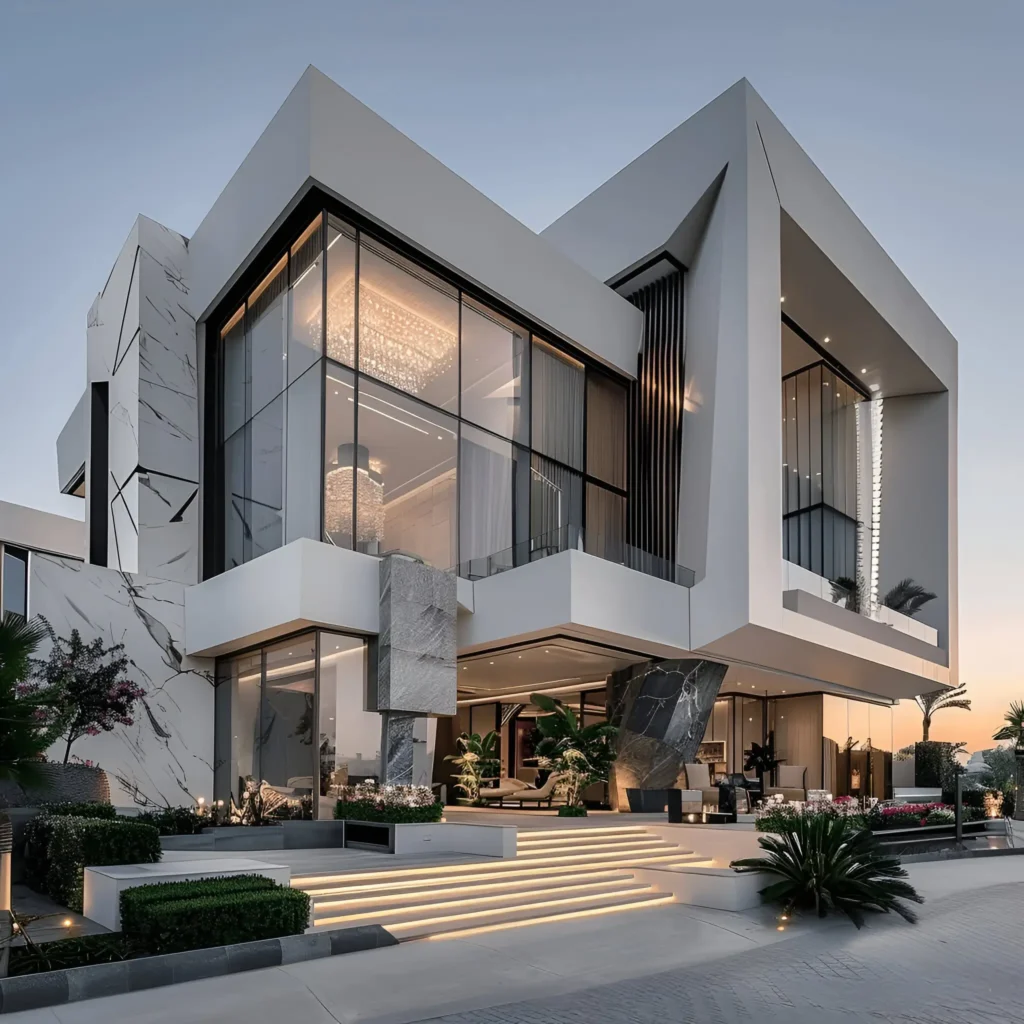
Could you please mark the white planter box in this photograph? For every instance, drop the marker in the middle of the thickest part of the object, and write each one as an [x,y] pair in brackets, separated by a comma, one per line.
[104,885]
[432,837]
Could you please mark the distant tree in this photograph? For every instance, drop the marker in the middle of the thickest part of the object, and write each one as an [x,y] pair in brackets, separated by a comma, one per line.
[1002,767]
[929,703]
[1014,731]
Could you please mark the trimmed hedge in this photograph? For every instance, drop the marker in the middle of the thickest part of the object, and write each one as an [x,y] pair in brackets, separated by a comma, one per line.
[370,810]
[85,809]
[58,848]
[175,821]
[135,901]
[221,920]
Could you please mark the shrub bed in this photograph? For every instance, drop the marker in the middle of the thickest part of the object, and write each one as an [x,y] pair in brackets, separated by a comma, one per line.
[135,901]
[392,805]
[215,915]
[58,848]
[84,809]
[83,951]
[175,821]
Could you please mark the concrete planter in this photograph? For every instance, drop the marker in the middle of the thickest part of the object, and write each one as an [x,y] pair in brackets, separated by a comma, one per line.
[285,835]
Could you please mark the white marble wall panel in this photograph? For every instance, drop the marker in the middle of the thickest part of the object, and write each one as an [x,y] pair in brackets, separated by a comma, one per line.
[168,526]
[142,341]
[166,756]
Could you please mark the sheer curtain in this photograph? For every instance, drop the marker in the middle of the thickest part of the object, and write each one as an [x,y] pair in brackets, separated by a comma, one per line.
[485,504]
[559,390]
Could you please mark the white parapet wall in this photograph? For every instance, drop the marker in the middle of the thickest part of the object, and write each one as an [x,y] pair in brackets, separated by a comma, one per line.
[456,837]
[104,885]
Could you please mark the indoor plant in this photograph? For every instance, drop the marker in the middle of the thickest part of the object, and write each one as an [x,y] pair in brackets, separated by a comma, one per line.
[477,761]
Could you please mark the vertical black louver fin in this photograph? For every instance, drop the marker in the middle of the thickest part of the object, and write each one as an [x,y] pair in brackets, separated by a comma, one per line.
[656,419]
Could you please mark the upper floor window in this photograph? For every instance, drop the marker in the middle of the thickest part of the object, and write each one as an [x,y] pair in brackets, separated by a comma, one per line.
[14,583]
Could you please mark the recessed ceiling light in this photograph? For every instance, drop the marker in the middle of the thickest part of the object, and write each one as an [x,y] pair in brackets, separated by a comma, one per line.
[827,339]
[863,369]
[873,387]
[782,298]
[783,691]
[490,663]
[519,656]
[464,667]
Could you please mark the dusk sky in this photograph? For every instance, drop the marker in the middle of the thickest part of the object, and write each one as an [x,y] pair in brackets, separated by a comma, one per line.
[111,109]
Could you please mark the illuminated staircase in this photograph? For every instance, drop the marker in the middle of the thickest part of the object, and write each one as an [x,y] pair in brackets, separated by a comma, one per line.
[557,874]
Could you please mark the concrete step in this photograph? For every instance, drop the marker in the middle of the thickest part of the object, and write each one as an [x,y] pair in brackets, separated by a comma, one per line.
[535,912]
[625,845]
[578,840]
[412,893]
[347,915]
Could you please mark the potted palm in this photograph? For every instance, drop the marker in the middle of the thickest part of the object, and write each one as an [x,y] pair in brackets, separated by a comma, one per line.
[580,756]
[477,762]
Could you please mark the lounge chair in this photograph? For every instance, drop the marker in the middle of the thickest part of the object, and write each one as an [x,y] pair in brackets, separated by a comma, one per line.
[792,785]
[538,796]
[506,788]
[698,778]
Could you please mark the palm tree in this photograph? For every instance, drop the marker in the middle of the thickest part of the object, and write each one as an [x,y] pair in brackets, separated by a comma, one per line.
[907,597]
[1014,730]
[24,736]
[581,756]
[929,703]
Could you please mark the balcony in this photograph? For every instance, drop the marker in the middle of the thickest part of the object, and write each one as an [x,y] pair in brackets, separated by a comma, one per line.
[827,602]
[575,538]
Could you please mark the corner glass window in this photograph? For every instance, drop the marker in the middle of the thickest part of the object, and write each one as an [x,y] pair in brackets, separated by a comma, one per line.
[339,461]
[341,292]
[305,300]
[408,327]
[265,337]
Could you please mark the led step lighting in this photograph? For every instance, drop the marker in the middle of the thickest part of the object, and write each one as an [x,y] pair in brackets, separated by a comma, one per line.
[463,933]
[491,868]
[625,847]
[509,887]
[514,870]
[549,833]
[540,905]
[507,899]
[581,841]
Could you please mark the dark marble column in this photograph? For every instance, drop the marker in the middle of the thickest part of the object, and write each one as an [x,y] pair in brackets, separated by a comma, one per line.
[396,753]
[662,710]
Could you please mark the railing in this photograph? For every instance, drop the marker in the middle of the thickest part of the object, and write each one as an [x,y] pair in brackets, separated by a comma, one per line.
[573,538]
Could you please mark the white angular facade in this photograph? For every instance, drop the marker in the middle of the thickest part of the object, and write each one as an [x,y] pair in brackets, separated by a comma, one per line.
[589,437]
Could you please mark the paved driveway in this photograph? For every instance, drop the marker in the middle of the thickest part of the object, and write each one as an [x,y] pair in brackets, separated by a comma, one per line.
[959,965]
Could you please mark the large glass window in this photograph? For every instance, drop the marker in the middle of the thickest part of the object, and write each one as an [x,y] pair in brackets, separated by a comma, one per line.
[348,374]
[819,464]
[408,327]
[294,715]
[495,372]
[494,510]
[558,396]
[14,584]
[556,507]
[339,461]
[409,451]
[606,430]
[349,735]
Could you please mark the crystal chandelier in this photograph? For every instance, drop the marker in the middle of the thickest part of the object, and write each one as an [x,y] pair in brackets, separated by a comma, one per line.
[397,345]
[369,488]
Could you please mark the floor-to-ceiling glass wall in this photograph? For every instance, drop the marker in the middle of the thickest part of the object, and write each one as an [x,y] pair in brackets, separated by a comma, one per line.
[857,748]
[820,449]
[366,401]
[293,714]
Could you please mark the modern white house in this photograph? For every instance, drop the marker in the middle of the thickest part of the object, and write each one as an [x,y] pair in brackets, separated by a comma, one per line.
[366,462]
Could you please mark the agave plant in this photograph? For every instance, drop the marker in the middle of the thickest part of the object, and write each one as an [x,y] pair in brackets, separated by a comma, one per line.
[822,863]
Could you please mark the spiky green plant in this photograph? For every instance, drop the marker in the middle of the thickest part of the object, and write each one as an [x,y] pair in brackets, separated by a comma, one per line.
[1014,731]
[907,597]
[477,761]
[822,863]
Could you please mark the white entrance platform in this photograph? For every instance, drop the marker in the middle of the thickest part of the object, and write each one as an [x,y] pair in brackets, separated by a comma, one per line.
[714,886]
[486,840]
[104,885]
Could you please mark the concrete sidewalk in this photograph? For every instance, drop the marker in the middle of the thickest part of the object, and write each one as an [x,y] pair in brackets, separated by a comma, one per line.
[611,967]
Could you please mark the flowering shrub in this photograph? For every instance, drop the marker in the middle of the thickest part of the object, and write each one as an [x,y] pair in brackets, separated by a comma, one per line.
[782,818]
[366,801]
[910,815]
[81,689]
